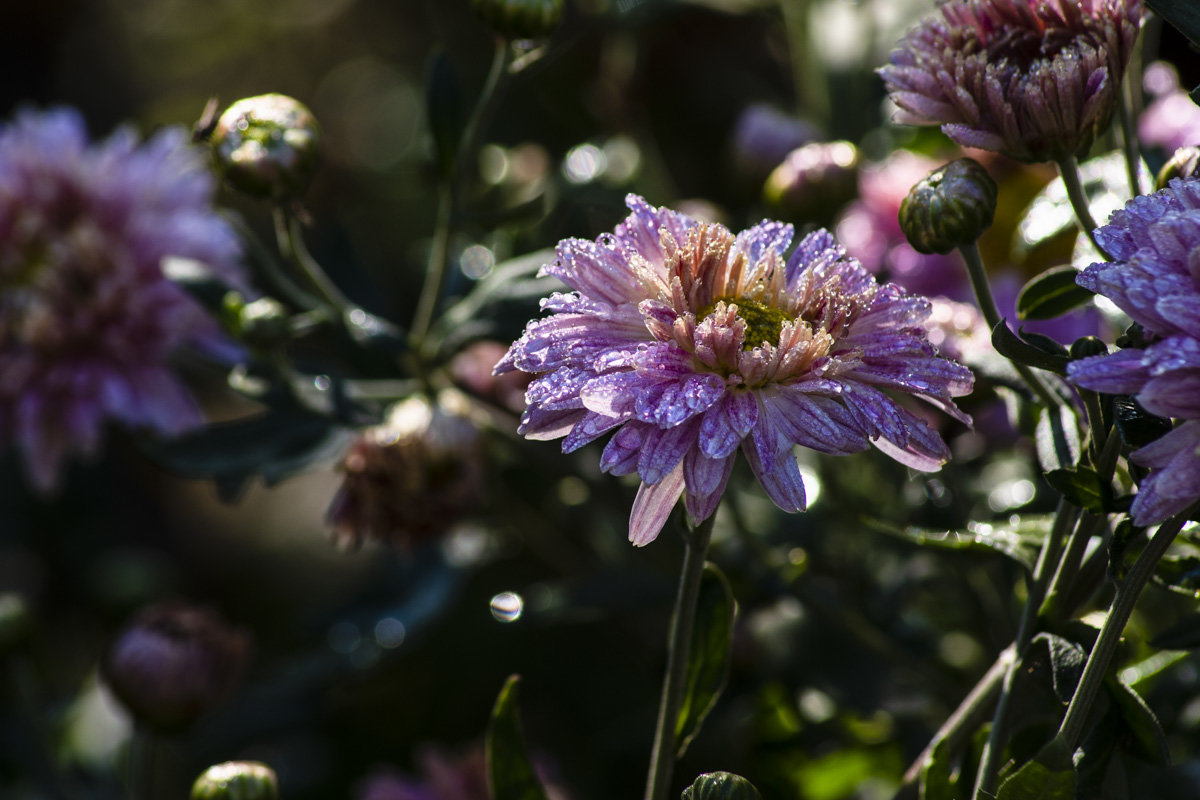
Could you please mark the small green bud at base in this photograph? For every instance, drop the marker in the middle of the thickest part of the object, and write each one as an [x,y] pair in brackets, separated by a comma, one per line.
[1088,346]
[951,207]
[267,146]
[237,780]
[520,19]
[721,786]
[1183,164]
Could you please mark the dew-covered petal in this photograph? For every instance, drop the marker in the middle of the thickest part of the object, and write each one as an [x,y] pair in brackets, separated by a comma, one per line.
[726,423]
[705,479]
[620,456]
[652,507]
[779,476]
[1124,372]
[672,403]
[662,449]
[819,423]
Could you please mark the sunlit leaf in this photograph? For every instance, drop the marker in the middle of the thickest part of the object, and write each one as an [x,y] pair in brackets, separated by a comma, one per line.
[1023,351]
[938,779]
[1020,540]
[1083,487]
[1051,294]
[510,773]
[1057,438]
[708,658]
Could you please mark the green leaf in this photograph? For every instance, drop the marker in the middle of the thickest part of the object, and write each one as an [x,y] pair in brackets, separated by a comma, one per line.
[510,773]
[1057,438]
[1036,781]
[1020,540]
[721,786]
[1184,15]
[1013,347]
[1066,660]
[1149,742]
[938,779]
[1083,487]
[708,658]
[1051,294]
[1138,427]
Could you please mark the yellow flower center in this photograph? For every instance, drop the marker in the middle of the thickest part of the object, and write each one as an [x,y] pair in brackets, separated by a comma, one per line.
[763,322]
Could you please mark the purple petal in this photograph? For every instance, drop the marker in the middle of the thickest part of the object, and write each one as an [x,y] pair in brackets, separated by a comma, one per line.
[819,423]
[652,506]
[780,477]
[726,423]
[1124,372]
[662,450]
[705,479]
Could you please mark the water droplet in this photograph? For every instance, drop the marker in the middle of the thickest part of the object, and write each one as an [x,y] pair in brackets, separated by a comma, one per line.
[322,383]
[389,632]
[584,163]
[476,261]
[507,606]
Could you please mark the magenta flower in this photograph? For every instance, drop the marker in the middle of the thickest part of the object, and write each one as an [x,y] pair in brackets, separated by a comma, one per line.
[1155,279]
[1036,80]
[87,320]
[692,343]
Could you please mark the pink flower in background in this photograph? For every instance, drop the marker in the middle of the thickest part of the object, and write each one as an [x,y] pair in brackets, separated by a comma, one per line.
[1036,81]
[691,343]
[870,230]
[87,319]
[1172,121]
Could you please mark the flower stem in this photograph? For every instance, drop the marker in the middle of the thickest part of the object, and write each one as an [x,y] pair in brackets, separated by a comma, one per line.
[1065,519]
[450,195]
[142,751]
[291,244]
[1128,591]
[956,730]
[1068,168]
[662,757]
[1129,142]
[991,314]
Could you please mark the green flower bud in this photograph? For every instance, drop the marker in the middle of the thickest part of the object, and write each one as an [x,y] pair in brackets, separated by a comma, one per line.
[264,323]
[236,780]
[1088,346]
[814,181]
[15,621]
[267,146]
[950,208]
[1182,164]
[721,786]
[520,19]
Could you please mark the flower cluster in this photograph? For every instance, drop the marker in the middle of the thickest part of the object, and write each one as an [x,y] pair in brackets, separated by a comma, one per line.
[1034,81]
[691,342]
[1155,279]
[87,319]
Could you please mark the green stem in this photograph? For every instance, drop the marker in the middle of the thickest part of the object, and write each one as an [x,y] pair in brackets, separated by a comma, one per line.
[662,757]
[1126,597]
[142,751]
[1065,519]
[1129,142]
[291,244]
[957,729]
[808,77]
[450,195]
[1068,168]
[1054,608]
[991,314]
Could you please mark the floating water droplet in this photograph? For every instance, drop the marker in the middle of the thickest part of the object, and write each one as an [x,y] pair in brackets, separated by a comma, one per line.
[322,383]
[507,606]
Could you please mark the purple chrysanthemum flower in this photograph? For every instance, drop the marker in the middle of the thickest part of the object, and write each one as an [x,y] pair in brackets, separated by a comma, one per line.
[1036,80]
[1155,279]
[692,342]
[86,317]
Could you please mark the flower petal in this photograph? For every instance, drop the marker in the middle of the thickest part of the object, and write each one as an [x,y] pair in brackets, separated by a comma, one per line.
[652,506]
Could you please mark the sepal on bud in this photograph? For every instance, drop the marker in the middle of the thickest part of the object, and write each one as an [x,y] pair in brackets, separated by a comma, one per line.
[236,780]
[267,146]
[951,207]
[721,786]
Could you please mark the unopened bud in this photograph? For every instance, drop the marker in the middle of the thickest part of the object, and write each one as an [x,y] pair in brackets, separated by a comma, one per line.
[1183,164]
[721,786]
[949,208]
[814,181]
[267,146]
[1088,346]
[520,19]
[236,780]
[173,663]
